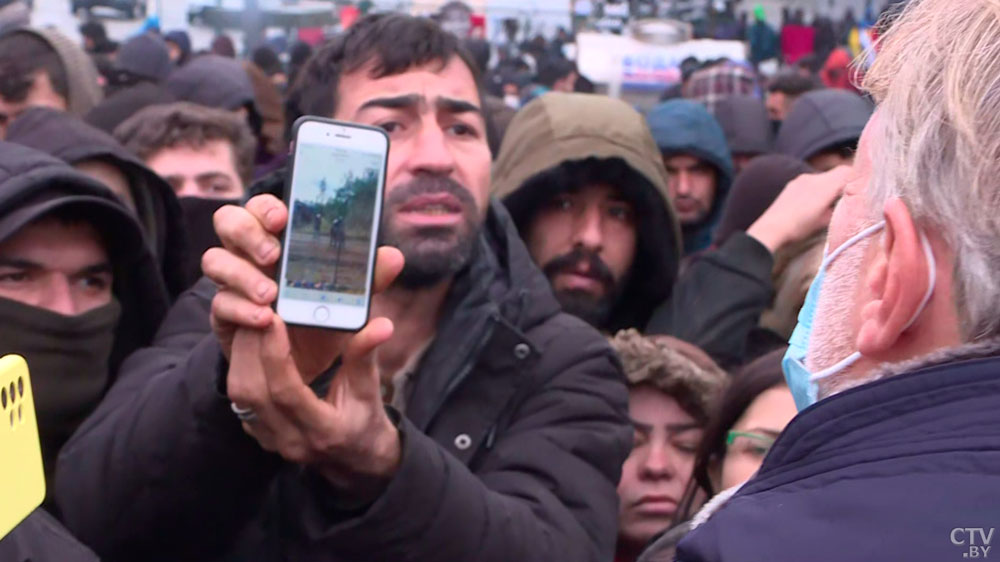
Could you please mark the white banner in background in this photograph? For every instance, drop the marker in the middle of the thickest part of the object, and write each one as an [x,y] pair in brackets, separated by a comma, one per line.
[618,59]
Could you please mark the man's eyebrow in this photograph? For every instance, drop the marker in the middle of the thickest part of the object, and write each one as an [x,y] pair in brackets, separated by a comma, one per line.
[95,269]
[19,263]
[641,426]
[452,105]
[396,102]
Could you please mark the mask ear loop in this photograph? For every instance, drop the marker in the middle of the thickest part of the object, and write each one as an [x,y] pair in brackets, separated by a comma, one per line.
[931,281]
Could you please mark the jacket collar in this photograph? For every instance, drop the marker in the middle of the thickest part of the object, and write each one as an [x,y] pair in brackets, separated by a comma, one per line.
[926,410]
[498,297]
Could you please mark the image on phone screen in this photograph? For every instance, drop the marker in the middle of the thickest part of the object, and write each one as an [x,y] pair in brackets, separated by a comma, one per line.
[329,248]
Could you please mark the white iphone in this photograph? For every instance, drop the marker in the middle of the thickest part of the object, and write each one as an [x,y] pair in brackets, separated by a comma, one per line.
[334,198]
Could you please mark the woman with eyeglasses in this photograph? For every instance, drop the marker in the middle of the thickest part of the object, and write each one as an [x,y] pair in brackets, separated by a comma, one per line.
[753,410]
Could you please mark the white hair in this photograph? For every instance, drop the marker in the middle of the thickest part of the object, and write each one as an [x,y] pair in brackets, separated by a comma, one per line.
[936,140]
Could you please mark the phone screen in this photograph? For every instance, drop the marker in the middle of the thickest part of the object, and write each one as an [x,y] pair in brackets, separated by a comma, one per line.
[334,205]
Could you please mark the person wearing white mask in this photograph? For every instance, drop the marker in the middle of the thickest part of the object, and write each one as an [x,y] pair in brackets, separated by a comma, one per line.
[894,365]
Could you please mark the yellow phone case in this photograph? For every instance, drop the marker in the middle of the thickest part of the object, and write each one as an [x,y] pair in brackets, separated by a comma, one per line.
[21,473]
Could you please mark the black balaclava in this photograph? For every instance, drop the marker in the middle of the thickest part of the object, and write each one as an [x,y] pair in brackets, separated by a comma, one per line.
[68,362]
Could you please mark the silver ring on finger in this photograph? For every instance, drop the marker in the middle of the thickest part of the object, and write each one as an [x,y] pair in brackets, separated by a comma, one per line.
[246,415]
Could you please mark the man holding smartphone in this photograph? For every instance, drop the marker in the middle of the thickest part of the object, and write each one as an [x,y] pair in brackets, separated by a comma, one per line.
[469,420]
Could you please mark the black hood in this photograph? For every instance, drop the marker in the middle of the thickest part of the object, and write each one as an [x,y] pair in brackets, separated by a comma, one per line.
[212,81]
[126,102]
[747,126]
[33,183]
[822,119]
[71,140]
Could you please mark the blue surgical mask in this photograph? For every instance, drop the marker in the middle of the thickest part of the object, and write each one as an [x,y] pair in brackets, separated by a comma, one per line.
[801,382]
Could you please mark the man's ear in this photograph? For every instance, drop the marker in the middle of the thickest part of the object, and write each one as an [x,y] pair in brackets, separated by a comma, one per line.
[897,282]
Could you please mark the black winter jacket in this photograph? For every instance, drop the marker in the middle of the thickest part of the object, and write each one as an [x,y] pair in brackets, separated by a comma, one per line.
[718,300]
[513,440]
[40,538]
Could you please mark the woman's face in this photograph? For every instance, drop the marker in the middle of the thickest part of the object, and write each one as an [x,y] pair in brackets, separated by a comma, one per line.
[658,469]
[757,429]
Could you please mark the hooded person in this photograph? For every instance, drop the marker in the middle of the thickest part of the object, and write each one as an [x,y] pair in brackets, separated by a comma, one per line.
[96,40]
[44,67]
[554,165]
[101,157]
[699,167]
[721,294]
[590,199]
[179,46]
[80,289]
[837,73]
[748,129]
[140,70]
[823,128]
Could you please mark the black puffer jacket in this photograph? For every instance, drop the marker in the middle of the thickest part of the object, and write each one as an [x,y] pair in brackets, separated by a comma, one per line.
[513,440]
[72,141]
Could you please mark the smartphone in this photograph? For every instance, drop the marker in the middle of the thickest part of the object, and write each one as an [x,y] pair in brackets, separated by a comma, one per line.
[20,453]
[334,197]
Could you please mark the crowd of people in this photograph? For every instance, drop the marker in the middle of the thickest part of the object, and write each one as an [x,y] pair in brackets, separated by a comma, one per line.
[756,321]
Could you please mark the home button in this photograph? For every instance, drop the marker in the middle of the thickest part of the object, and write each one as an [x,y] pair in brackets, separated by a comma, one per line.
[321,314]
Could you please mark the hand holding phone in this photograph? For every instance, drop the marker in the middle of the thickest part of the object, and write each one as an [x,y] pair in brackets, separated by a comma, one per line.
[243,269]
[334,198]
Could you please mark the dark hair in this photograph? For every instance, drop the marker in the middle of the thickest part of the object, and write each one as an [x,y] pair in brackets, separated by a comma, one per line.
[94,30]
[750,382]
[479,49]
[298,54]
[267,60]
[222,45]
[689,66]
[393,43]
[791,84]
[21,56]
[554,69]
[190,125]
[584,85]
[810,62]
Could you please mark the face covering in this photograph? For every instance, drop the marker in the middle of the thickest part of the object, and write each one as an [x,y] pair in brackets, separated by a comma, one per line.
[197,216]
[801,382]
[512,101]
[68,361]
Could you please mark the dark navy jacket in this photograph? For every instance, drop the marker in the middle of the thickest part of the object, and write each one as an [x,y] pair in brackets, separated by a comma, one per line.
[885,471]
